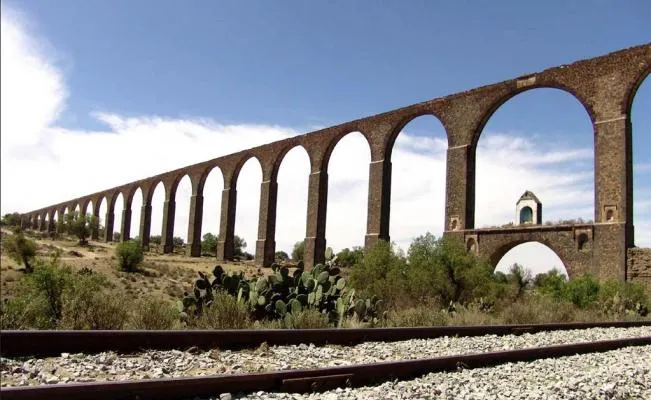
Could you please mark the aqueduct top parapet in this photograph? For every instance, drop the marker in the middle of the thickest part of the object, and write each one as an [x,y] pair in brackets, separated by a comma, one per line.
[604,85]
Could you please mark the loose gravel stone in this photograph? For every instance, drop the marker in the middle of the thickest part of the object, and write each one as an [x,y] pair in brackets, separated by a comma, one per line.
[109,366]
[620,374]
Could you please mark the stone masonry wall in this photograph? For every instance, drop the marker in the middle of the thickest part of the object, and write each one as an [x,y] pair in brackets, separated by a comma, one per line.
[638,266]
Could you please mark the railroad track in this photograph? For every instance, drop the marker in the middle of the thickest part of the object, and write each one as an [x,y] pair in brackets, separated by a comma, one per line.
[296,380]
[307,380]
[49,342]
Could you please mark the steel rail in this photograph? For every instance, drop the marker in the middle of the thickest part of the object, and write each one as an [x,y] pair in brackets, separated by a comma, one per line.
[50,342]
[302,380]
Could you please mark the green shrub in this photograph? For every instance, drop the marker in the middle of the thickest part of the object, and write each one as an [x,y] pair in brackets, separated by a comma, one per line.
[209,244]
[382,274]
[55,296]
[151,313]
[617,297]
[308,318]
[225,312]
[25,312]
[130,255]
[298,251]
[582,291]
[416,316]
[79,225]
[538,310]
[349,258]
[20,248]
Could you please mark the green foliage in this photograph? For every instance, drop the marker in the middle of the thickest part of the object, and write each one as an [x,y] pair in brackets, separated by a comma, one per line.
[239,244]
[281,256]
[550,283]
[57,297]
[223,312]
[298,251]
[10,219]
[178,241]
[209,244]
[79,225]
[154,314]
[281,295]
[20,248]
[581,291]
[381,274]
[117,236]
[130,255]
[520,278]
[349,258]
[617,297]
[156,239]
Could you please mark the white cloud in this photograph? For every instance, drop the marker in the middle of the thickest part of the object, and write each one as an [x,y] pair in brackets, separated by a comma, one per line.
[43,163]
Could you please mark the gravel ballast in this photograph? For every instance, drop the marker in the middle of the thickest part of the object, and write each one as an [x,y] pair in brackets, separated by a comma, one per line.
[109,366]
[619,374]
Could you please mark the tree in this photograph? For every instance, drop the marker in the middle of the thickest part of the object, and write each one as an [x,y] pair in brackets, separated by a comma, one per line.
[281,256]
[350,258]
[520,277]
[130,255]
[20,248]
[80,225]
[298,251]
[239,244]
[10,219]
[117,236]
[209,244]
[178,241]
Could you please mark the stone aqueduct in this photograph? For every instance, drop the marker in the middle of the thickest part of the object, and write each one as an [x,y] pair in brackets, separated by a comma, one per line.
[604,85]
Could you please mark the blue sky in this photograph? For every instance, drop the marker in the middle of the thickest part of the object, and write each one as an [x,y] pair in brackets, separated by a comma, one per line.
[260,70]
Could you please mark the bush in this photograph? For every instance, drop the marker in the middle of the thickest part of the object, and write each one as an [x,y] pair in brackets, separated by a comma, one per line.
[281,256]
[10,219]
[209,244]
[309,318]
[130,255]
[349,258]
[178,241]
[225,312]
[151,313]
[382,274]
[79,225]
[298,251]
[156,239]
[87,306]
[57,297]
[581,291]
[25,312]
[538,310]
[417,316]
[20,248]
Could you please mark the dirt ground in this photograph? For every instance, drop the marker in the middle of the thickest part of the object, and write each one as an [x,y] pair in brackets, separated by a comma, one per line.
[165,276]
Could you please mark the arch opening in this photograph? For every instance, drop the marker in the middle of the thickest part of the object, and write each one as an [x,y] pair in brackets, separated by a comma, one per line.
[535,257]
[212,205]
[136,211]
[247,210]
[89,208]
[540,140]
[526,215]
[418,162]
[156,227]
[182,197]
[348,174]
[103,206]
[641,141]
[118,207]
[291,209]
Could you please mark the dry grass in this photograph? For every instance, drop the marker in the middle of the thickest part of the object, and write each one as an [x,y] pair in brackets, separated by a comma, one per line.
[162,276]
